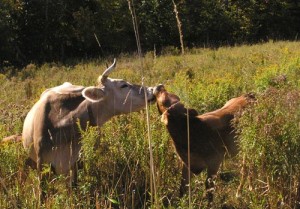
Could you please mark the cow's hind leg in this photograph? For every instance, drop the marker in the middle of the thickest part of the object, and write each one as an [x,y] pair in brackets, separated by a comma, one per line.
[41,181]
[42,178]
[72,180]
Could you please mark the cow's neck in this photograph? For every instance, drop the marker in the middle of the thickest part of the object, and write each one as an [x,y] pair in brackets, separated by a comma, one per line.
[101,112]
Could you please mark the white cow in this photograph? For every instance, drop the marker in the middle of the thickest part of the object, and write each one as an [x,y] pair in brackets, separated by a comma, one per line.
[50,132]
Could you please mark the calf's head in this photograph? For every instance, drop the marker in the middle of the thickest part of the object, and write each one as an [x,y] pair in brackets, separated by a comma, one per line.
[119,95]
[169,105]
[164,99]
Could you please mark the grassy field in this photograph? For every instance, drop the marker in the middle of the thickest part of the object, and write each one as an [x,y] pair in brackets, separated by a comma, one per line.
[117,175]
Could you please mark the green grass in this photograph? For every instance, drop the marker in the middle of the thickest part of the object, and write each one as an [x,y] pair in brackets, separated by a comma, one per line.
[118,173]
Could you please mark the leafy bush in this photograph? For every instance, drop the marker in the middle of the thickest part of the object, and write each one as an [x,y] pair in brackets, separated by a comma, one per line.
[270,136]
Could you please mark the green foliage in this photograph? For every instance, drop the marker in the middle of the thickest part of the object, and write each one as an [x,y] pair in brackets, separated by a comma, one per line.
[116,168]
[269,135]
[62,30]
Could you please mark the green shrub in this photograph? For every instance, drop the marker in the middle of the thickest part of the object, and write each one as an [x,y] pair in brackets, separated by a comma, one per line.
[270,135]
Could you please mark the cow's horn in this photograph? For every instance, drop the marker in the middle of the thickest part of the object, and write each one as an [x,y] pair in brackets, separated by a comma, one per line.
[108,71]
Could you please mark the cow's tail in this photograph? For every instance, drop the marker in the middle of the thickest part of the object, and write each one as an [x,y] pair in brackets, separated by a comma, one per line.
[11,139]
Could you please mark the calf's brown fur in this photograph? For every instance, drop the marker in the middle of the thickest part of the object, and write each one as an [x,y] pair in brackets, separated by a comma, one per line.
[212,135]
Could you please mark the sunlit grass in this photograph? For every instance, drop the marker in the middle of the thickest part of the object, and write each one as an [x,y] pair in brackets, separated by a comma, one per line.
[117,174]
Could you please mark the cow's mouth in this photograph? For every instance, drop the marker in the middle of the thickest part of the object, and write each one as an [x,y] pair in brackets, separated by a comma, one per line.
[152,99]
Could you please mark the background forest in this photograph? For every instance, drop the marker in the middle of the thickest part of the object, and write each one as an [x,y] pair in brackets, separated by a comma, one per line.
[60,30]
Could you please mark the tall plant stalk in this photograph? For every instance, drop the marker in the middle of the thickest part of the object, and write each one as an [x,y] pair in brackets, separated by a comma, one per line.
[179,27]
[153,189]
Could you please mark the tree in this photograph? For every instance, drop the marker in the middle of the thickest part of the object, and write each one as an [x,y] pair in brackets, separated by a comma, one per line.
[9,30]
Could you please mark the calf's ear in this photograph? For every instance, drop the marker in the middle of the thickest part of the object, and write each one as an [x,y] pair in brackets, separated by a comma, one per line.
[193,112]
[93,94]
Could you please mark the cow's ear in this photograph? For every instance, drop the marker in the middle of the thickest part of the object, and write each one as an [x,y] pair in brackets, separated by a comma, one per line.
[93,94]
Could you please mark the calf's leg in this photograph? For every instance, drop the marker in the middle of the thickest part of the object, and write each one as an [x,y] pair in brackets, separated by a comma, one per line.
[184,180]
[212,171]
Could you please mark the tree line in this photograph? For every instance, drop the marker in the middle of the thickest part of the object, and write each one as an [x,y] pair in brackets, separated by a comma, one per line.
[59,30]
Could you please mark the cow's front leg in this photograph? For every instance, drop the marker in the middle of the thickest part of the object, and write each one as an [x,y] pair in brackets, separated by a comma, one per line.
[73,180]
[41,180]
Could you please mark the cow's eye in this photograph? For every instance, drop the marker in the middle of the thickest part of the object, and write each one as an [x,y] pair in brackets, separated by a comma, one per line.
[124,86]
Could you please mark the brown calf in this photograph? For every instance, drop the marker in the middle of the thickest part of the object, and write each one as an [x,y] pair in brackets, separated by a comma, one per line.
[212,135]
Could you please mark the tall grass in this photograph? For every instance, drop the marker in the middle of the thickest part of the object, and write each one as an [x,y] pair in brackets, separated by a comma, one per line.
[116,174]
[270,136]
